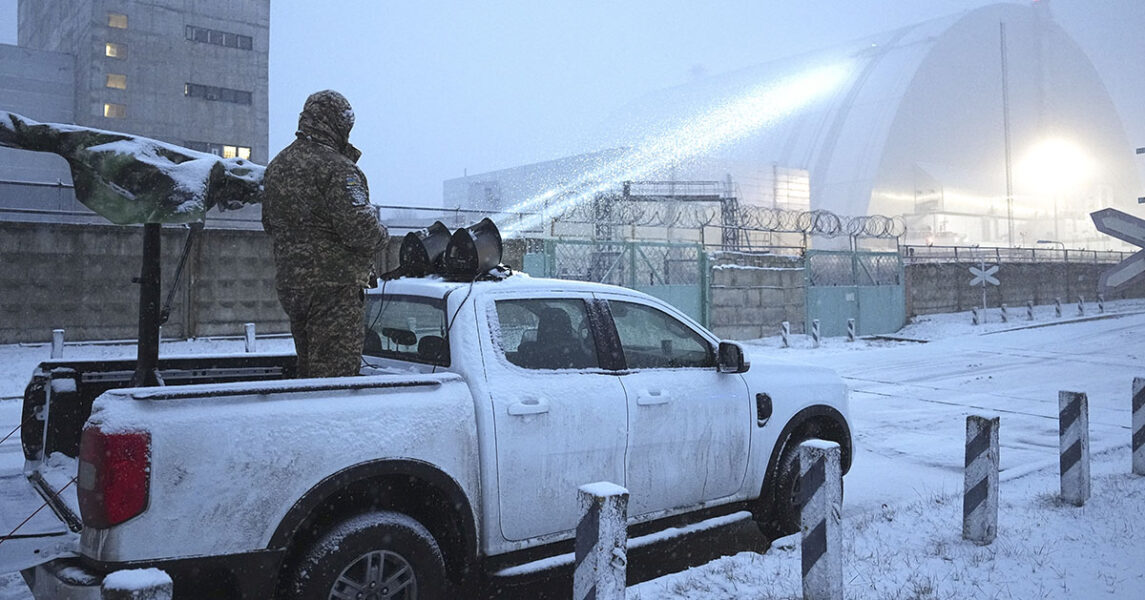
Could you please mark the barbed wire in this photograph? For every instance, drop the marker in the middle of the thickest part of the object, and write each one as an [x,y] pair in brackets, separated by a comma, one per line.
[755,218]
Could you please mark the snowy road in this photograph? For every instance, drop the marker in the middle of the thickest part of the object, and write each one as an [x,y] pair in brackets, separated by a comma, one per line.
[909,402]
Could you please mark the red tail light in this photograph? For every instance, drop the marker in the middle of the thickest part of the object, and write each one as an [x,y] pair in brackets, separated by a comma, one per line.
[114,476]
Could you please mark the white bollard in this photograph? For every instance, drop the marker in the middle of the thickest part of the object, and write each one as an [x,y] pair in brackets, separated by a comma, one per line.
[980,498]
[785,332]
[821,484]
[1139,425]
[1073,435]
[136,584]
[1080,306]
[974,314]
[248,333]
[57,343]
[1058,307]
[815,332]
[850,330]
[601,566]
[1005,315]
[1029,310]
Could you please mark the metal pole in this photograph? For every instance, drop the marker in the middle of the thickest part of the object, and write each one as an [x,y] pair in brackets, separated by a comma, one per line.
[147,357]
[1006,139]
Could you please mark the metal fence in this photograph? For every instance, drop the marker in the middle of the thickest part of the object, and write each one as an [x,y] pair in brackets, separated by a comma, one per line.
[948,254]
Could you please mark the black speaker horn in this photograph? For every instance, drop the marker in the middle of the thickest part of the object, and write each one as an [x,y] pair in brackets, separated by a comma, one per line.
[473,250]
[422,250]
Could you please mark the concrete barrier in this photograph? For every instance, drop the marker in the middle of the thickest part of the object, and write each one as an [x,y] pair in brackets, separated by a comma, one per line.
[601,543]
[980,499]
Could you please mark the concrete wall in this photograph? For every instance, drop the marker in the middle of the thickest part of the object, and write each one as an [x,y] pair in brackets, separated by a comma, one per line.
[79,277]
[751,294]
[943,287]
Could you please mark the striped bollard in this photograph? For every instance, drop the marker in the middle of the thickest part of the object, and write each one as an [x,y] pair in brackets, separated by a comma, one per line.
[815,332]
[601,542]
[850,330]
[1005,316]
[785,332]
[57,343]
[974,314]
[1080,306]
[248,334]
[1139,425]
[820,519]
[1073,430]
[980,500]
[1058,307]
[1101,303]
[1029,310]
[137,584]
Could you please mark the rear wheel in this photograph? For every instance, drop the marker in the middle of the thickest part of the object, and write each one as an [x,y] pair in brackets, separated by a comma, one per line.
[374,556]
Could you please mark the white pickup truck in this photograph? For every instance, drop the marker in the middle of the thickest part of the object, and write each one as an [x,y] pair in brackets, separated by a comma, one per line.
[453,459]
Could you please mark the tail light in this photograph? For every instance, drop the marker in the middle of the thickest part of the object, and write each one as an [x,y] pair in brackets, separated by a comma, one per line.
[114,476]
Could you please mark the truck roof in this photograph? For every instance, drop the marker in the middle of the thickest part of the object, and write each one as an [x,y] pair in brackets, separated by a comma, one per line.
[437,287]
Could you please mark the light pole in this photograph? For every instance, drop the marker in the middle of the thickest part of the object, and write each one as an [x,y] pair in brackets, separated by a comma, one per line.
[1140,151]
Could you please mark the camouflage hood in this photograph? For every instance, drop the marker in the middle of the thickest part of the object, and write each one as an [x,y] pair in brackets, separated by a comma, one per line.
[327,119]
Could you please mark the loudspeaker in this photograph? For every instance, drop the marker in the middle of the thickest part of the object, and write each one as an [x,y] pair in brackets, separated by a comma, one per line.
[473,250]
[422,250]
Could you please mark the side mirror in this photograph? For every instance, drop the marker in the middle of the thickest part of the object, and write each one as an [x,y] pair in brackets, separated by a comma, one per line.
[731,358]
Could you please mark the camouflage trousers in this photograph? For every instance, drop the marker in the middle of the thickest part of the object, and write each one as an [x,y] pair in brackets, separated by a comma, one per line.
[327,324]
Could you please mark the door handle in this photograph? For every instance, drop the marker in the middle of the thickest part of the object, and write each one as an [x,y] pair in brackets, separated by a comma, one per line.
[529,406]
[653,397]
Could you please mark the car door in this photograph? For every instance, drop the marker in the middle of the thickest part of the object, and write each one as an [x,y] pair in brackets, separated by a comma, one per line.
[560,419]
[689,425]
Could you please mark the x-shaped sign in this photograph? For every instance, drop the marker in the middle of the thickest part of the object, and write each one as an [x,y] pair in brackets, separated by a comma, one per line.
[982,276]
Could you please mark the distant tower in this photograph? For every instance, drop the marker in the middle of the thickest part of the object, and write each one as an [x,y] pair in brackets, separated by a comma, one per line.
[189,73]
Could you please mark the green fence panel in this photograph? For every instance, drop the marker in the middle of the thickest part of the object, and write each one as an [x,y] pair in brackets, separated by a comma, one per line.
[864,286]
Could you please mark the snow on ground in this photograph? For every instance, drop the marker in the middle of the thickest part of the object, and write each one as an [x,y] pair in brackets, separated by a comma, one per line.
[902,516]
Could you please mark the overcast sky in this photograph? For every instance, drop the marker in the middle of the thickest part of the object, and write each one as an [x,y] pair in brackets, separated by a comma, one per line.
[441,88]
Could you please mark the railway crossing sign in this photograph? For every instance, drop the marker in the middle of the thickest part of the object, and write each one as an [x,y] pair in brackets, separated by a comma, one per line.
[1126,228]
[982,276]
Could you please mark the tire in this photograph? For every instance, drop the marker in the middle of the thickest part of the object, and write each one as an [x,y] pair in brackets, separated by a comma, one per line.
[381,555]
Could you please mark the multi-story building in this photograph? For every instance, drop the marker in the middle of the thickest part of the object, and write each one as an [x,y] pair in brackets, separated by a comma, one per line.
[189,73]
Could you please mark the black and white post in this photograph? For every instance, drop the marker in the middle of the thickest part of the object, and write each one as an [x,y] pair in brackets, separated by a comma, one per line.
[1080,306]
[1139,425]
[1073,430]
[785,332]
[1058,307]
[249,337]
[974,314]
[1005,315]
[1029,310]
[815,332]
[980,500]
[601,542]
[820,519]
[850,330]
[137,584]
[57,343]
[1100,303]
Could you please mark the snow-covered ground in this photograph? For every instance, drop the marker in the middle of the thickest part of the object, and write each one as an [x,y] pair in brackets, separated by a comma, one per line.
[902,518]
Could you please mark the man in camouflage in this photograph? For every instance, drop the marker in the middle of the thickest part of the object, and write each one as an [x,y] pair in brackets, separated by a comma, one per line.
[316,208]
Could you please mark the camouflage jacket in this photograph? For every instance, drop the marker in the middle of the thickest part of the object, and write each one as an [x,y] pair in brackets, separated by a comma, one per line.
[316,207]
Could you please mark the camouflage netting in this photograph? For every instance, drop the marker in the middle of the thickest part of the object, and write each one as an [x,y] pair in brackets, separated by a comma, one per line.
[132,179]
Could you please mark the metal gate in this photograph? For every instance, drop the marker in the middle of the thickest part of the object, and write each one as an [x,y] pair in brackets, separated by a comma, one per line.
[675,273]
[864,286]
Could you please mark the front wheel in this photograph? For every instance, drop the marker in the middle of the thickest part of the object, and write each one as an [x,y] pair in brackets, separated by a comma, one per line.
[374,556]
[782,501]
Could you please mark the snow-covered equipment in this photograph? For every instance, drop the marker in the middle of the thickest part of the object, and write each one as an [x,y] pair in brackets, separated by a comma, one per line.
[473,250]
[421,251]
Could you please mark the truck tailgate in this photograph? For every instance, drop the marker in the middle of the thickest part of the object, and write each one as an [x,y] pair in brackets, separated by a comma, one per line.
[30,531]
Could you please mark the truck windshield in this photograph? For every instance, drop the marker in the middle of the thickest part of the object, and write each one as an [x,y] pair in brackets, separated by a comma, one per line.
[409,328]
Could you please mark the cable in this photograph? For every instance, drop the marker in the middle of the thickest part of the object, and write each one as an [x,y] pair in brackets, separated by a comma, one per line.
[449,327]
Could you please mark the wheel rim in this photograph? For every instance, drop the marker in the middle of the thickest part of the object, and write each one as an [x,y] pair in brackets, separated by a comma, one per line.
[377,575]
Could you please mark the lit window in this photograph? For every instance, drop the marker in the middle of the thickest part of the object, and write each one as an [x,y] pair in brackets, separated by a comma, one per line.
[244,153]
[230,151]
[115,50]
[114,111]
[116,81]
[117,21]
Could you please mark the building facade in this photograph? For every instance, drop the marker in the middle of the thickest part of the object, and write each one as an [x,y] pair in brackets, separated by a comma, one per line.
[194,74]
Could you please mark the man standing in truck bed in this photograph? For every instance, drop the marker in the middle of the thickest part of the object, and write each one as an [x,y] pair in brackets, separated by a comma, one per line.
[316,208]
